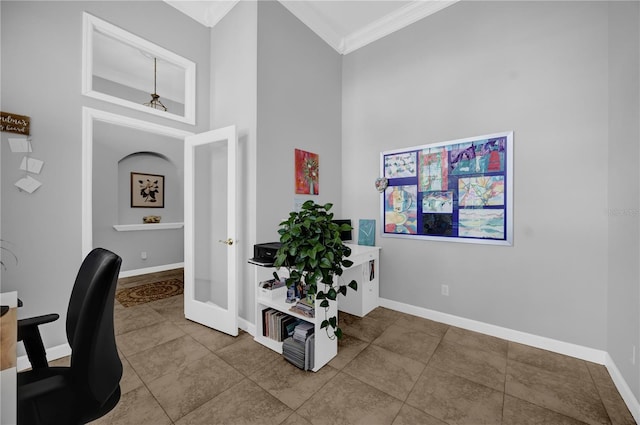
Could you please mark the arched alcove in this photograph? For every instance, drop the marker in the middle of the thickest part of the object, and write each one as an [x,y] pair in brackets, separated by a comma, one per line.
[154,163]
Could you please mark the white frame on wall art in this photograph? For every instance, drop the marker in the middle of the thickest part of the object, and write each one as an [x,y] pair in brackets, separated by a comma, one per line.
[455,191]
[93,25]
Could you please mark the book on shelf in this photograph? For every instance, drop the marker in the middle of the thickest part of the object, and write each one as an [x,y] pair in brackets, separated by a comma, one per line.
[303,308]
[277,325]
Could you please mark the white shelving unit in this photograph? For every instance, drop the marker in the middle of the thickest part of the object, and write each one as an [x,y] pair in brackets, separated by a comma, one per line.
[366,271]
[325,348]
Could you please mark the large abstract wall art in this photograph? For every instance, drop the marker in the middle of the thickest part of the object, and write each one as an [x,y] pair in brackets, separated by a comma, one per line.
[458,191]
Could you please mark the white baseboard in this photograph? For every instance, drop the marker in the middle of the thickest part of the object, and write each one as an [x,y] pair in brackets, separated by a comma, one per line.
[568,349]
[247,326]
[53,353]
[623,388]
[154,269]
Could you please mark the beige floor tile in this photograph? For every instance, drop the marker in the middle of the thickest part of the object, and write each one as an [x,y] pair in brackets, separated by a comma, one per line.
[348,348]
[127,319]
[520,412]
[291,385]
[456,400]
[166,357]
[423,325]
[614,404]
[210,338]
[346,400]
[569,396]
[363,328]
[387,371]
[483,367]
[130,379]
[243,404]
[151,336]
[189,387]
[248,356]
[411,416]
[171,308]
[552,362]
[295,419]
[137,407]
[385,314]
[476,340]
[408,342]
[246,383]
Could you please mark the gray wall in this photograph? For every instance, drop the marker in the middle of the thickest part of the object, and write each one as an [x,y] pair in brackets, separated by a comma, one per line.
[41,78]
[281,85]
[539,69]
[564,77]
[623,297]
[233,102]
[299,106]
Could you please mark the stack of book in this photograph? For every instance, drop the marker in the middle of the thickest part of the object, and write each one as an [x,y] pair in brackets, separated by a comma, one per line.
[304,308]
[299,352]
[277,325]
[302,331]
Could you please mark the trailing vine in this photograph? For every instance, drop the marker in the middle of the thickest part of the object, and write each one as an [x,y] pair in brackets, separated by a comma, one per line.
[313,252]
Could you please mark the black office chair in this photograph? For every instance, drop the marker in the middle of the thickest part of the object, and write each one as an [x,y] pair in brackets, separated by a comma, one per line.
[90,387]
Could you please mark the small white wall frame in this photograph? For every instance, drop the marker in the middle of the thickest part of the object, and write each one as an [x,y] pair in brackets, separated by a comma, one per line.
[455,191]
[92,27]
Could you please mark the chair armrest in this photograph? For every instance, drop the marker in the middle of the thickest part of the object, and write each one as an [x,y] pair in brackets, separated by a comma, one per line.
[38,320]
[39,388]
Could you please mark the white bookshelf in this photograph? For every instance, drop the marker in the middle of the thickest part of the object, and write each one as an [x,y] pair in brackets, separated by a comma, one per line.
[325,348]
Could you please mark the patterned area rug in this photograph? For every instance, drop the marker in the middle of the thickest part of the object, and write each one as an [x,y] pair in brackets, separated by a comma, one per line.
[148,292]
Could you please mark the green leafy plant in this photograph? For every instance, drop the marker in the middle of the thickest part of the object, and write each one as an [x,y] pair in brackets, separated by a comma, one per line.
[314,254]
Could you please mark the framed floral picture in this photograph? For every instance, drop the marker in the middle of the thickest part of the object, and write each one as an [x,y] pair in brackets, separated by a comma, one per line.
[147,190]
[307,173]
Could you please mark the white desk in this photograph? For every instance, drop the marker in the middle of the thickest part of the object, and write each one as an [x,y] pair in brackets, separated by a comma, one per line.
[366,271]
[8,373]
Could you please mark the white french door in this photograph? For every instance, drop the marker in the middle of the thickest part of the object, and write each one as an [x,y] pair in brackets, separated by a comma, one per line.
[210,258]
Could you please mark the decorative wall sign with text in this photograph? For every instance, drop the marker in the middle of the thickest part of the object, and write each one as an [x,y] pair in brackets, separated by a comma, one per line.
[459,191]
[13,123]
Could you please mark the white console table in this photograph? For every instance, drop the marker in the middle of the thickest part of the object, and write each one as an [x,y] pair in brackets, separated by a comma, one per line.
[366,271]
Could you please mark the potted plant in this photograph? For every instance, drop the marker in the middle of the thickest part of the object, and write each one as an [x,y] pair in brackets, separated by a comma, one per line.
[314,254]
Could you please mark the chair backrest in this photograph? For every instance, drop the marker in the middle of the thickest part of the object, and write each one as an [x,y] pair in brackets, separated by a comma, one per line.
[95,364]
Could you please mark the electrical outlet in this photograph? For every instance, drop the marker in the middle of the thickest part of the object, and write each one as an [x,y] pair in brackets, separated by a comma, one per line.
[445,290]
[143,255]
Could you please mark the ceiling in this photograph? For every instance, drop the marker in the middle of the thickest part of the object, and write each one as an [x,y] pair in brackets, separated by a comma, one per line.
[346,25]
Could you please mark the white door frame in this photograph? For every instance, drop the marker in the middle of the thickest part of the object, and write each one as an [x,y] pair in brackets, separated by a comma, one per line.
[89,116]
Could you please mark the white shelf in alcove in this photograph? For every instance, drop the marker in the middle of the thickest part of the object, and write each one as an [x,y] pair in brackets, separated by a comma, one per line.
[149,226]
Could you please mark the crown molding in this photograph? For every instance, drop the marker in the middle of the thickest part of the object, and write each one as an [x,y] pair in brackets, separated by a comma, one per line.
[392,22]
[312,19]
[208,13]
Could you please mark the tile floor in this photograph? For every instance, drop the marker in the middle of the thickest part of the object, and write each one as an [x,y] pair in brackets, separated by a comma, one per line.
[391,368]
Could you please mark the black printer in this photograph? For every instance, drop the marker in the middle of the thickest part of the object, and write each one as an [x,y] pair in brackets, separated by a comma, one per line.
[264,254]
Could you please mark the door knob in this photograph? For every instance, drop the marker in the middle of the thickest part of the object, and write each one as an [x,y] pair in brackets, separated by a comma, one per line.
[227,242]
